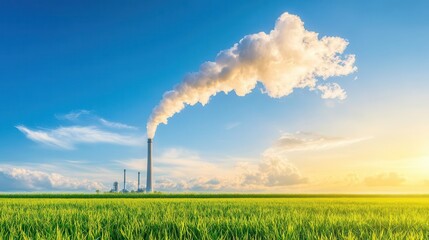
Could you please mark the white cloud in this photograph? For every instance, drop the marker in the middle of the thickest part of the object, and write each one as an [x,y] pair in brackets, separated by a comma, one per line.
[303,141]
[68,137]
[74,115]
[42,137]
[91,129]
[20,179]
[332,91]
[91,118]
[115,124]
[274,172]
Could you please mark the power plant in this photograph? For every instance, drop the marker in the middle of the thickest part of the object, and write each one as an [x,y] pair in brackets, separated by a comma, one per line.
[149,187]
[149,179]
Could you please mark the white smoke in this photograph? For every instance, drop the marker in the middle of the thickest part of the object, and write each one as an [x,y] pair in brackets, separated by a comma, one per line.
[288,57]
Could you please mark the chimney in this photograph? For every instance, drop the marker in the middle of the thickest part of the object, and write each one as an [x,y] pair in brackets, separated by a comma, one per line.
[125,179]
[138,182]
[149,166]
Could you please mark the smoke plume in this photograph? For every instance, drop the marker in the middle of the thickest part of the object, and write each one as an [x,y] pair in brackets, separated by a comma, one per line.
[288,57]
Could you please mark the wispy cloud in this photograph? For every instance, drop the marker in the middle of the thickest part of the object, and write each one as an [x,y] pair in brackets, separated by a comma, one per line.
[20,179]
[177,162]
[73,115]
[115,124]
[232,125]
[87,128]
[92,118]
[42,137]
[68,137]
[303,141]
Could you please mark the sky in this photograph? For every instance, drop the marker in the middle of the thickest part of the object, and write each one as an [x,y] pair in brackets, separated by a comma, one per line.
[79,82]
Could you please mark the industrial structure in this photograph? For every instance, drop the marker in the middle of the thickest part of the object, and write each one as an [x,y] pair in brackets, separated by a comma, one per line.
[115,187]
[149,179]
[149,187]
[125,182]
[139,189]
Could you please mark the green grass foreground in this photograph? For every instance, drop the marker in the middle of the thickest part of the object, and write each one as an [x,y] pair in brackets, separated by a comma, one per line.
[214,217]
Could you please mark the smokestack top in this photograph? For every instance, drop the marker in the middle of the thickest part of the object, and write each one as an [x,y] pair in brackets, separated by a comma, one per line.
[149,140]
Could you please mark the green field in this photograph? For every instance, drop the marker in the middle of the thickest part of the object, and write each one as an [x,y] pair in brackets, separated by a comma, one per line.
[213,217]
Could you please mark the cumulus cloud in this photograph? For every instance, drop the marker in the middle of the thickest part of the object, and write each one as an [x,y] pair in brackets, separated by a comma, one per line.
[332,91]
[274,172]
[384,179]
[304,141]
[20,179]
[68,137]
[286,58]
[269,174]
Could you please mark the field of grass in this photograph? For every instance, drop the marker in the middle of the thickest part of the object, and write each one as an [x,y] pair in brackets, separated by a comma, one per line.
[107,216]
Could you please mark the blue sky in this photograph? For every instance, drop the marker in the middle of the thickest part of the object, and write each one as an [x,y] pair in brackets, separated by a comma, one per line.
[112,62]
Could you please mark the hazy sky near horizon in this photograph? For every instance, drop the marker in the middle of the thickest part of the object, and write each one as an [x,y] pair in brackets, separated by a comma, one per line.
[78,82]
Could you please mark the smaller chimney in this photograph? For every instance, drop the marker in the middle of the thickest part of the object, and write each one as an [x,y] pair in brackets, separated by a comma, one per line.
[138,182]
[125,179]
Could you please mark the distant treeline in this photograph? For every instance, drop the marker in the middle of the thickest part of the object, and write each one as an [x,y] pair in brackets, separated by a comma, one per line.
[200,195]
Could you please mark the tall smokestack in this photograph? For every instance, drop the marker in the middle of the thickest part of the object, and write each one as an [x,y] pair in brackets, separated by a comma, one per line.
[138,182]
[149,166]
[125,179]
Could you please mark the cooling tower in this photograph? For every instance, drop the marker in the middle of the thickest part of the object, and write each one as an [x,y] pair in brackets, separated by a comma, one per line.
[149,166]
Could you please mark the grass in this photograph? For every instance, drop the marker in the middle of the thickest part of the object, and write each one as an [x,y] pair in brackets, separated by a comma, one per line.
[212,216]
[204,195]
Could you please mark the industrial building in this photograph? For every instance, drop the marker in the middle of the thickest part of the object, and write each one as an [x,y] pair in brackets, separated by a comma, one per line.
[115,187]
[149,179]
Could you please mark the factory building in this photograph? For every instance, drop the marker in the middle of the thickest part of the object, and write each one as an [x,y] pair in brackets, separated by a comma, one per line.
[115,187]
